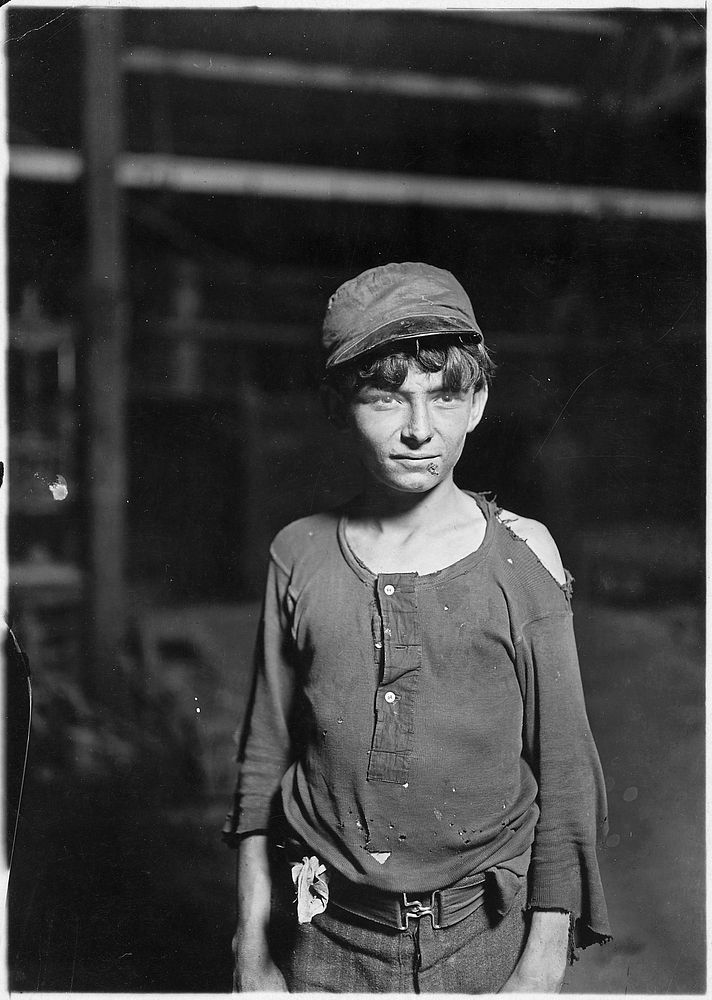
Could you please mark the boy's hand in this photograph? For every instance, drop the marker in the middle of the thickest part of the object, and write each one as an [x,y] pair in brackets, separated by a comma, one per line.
[255,972]
[542,964]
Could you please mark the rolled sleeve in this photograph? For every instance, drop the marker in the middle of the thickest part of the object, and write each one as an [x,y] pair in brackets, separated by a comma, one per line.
[559,746]
[266,747]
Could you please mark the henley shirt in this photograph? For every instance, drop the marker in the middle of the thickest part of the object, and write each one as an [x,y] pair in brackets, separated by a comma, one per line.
[415,728]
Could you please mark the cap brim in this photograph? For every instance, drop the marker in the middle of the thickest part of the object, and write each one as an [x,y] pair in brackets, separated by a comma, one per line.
[404,329]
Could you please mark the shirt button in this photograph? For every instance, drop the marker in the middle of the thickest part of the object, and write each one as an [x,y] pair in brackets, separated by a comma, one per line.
[390,697]
[378,645]
[389,589]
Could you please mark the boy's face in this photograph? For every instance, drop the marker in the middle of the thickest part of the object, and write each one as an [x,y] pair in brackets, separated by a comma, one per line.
[410,439]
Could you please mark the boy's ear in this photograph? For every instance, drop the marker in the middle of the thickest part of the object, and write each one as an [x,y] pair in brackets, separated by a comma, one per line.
[478,407]
[334,406]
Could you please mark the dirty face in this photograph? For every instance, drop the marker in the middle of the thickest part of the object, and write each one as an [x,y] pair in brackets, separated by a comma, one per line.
[410,439]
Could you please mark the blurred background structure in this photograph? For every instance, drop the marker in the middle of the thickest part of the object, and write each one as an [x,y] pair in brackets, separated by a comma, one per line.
[187,187]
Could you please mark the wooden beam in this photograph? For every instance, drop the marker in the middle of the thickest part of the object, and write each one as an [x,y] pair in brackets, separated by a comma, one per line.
[200,175]
[270,180]
[107,338]
[4,343]
[38,163]
[586,22]
[349,79]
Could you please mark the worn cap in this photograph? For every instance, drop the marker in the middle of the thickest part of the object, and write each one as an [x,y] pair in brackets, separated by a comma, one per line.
[394,302]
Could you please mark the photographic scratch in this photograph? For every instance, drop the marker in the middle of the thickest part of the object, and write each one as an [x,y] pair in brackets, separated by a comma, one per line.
[41,27]
[74,956]
[607,364]
[671,980]
[564,408]
[679,318]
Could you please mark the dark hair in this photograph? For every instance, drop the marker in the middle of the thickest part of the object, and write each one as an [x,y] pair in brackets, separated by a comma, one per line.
[464,363]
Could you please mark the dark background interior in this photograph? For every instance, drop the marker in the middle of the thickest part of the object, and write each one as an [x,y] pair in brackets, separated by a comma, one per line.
[593,303]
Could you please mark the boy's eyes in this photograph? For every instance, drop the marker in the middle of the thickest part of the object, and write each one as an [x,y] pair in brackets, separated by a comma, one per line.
[382,398]
[377,396]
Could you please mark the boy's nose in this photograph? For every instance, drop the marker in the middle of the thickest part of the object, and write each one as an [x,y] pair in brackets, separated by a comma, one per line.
[418,429]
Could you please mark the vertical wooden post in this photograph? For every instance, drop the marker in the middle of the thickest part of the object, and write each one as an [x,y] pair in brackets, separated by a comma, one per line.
[107,340]
[4,341]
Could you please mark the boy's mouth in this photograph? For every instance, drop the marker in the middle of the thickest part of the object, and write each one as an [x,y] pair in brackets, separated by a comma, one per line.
[429,461]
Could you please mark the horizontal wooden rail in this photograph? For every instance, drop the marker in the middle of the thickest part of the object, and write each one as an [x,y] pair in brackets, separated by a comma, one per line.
[196,175]
[585,22]
[353,80]
[40,163]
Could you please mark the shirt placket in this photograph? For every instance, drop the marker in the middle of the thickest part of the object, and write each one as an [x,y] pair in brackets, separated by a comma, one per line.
[394,730]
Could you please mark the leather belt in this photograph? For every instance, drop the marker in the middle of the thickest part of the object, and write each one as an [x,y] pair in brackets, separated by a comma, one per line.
[445,907]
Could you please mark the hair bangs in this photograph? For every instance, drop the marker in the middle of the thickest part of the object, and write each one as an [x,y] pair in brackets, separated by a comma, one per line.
[464,365]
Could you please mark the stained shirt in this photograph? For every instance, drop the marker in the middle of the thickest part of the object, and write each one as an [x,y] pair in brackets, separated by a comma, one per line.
[418,728]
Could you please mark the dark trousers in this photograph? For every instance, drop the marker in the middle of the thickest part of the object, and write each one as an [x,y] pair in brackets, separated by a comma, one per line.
[336,953]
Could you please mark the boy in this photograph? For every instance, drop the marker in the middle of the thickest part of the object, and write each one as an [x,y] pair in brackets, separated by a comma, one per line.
[417,743]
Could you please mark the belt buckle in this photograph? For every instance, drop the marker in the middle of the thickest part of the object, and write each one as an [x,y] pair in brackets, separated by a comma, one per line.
[414,909]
